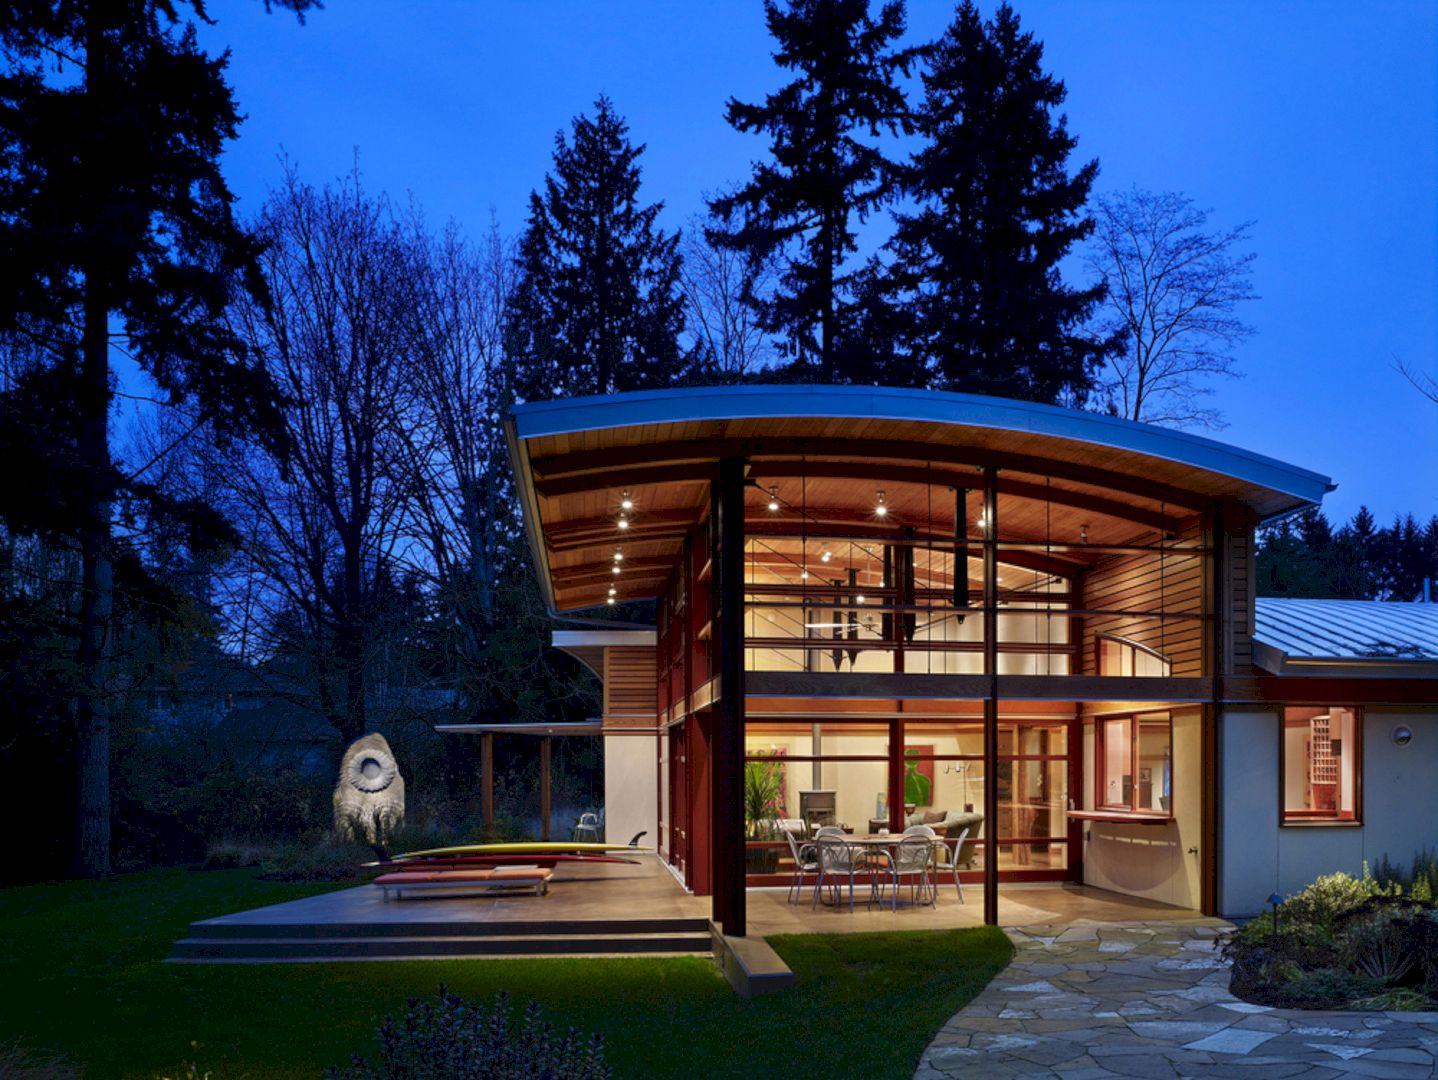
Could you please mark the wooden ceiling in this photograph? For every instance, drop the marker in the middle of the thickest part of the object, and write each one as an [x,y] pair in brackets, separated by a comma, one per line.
[1068,496]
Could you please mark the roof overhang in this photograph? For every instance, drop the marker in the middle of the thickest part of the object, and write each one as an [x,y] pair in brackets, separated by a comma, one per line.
[578,727]
[587,646]
[582,448]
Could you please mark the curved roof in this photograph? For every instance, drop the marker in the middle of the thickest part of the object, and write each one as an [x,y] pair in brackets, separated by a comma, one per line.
[774,402]
[573,457]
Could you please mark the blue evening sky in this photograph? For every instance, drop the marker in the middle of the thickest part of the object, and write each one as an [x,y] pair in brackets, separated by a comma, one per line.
[1317,120]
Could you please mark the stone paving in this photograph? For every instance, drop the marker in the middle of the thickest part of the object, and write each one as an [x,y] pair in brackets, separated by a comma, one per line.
[1151,1000]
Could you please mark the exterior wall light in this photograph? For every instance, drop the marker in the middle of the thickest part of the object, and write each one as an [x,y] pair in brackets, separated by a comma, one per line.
[1402,735]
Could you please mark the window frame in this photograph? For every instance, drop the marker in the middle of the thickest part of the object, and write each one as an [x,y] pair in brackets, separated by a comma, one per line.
[1137,646]
[1100,779]
[1356,821]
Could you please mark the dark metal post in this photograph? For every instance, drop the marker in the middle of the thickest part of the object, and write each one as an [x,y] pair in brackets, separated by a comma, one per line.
[486,778]
[544,788]
[989,539]
[727,749]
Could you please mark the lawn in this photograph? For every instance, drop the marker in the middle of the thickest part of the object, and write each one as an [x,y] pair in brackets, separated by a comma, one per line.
[80,971]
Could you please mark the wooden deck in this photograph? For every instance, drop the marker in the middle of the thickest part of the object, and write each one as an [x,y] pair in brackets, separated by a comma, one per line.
[607,909]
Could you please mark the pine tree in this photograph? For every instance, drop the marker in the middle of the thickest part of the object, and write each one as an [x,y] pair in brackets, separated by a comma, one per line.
[115,222]
[826,168]
[998,211]
[597,307]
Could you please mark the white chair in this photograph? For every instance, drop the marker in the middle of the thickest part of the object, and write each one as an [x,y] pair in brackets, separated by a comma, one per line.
[947,858]
[587,828]
[911,859]
[805,862]
[836,861]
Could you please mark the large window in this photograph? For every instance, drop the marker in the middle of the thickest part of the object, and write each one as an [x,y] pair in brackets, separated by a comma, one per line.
[1134,764]
[1119,656]
[1321,765]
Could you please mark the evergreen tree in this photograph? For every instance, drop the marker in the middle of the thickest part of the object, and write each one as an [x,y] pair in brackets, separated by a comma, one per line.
[596,308]
[825,168]
[997,211]
[115,222]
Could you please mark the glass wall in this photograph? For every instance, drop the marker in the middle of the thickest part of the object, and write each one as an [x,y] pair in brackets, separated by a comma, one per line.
[896,584]
[799,776]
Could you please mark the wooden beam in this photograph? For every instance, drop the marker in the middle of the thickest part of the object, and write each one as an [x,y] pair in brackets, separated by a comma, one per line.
[551,484]
[647,526]
[1323,690]
[709,451]
[600,571]
[864,685]
[922,474]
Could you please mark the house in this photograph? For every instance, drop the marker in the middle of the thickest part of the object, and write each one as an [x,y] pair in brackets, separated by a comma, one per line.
[899,605]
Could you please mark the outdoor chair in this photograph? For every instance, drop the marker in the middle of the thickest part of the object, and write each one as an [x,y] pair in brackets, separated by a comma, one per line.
[837,861]
[806,861]
[828,830]
[946,858]
[912,859]
[587,828]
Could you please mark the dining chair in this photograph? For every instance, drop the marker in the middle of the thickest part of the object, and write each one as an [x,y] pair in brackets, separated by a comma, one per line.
[947,858]
[913,855]
[805,862]
[837,861]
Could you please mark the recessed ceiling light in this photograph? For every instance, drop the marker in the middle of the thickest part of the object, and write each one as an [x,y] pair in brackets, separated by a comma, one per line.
[626,503]
[773,499]
[623,522]
[825,557]
[611,601]
[882,510]
[615,568]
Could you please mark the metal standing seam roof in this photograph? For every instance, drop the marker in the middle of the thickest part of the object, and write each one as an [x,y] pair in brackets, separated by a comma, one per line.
[1347,630]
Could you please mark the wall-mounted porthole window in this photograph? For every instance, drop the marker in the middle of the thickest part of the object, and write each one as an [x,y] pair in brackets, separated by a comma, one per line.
[1402,735]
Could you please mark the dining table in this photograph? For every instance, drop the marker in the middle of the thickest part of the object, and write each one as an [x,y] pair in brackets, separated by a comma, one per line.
[885,843]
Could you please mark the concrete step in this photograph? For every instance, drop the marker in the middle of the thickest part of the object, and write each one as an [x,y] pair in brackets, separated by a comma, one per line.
[578,927]
[261,949]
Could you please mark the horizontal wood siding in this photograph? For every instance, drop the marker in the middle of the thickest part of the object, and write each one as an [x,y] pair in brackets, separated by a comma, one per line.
[630,688]
[1146,582]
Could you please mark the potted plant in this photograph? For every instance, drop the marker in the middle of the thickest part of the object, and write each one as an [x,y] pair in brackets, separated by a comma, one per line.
[763,782]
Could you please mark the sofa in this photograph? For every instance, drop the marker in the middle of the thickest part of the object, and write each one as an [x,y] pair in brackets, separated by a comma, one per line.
[951,823]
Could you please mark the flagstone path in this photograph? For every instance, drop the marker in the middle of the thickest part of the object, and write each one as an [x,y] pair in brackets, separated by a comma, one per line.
[1151,1000]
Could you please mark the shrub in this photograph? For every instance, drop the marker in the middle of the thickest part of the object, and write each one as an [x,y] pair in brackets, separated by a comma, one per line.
[321,859]
[1327,898]
[462,1040]
[1324,988]
[1397,999]
[19,1062]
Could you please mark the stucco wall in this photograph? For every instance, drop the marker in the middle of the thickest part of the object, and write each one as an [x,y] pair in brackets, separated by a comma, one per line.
[1152,861]
[631,789]
[1258,857]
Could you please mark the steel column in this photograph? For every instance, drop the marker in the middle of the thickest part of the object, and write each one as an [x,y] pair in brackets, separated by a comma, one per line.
[989,536]
[727,750]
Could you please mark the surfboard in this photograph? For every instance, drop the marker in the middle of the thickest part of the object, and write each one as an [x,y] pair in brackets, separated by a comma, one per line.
[537,847]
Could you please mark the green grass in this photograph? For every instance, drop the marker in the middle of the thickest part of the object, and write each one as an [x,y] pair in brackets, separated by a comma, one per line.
[80,974]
